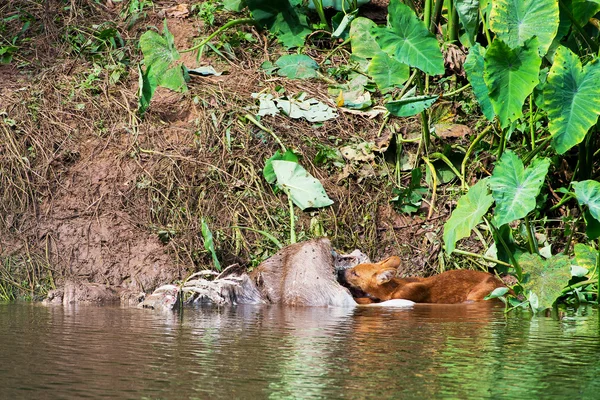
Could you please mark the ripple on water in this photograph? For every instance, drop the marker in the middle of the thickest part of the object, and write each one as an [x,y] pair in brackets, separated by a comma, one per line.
[458,351]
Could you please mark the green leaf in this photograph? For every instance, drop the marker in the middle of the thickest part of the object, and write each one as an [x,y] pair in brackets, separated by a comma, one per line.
[592,225]
[297,66]
[161,59]
[474,66]
[6,53]
[470,209]
[515,188]
[234,5]
[408,40]
[585,257]
[572,97]
[547,278]
[304,190]
[268,172]
[583,10]
[408,199]
[468,15]
[498,292]
[408,106]
[162,67]
[387,72]
[339,5]
[147,86]
[510,75]
[209,244]
[282,19]
[363,43]
[588,194]
[340,23]
[517,21]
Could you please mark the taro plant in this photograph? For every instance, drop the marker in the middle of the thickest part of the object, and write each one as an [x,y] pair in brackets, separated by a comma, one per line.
[301,188]
[533,66]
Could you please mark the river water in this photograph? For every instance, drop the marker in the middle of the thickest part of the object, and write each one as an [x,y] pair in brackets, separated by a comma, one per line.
[254,352]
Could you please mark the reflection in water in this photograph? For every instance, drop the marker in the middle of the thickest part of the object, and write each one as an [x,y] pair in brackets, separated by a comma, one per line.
[431,351]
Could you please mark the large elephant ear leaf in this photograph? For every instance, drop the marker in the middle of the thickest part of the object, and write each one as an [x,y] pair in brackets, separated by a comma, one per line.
[516,21]
[468,15]
[409,41]
[572,99]
[305,190]
[515,188]
[161,66]
[468,213]
[588,194]
[547,278]
[474,69]
[363,43]
[511,75]
[387,72]
[283,19]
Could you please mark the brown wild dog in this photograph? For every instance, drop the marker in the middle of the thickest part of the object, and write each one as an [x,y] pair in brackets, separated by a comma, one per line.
[371,283]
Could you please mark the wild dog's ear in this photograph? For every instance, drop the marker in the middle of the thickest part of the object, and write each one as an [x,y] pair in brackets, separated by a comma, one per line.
[386,275]
[390,262]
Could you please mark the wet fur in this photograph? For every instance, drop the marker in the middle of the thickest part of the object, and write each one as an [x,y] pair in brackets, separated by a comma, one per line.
[374,282]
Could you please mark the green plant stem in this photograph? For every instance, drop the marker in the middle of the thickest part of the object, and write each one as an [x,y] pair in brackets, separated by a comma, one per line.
[507,310]
[516,265]
[535,151]
[336,48]
[326,79]
[426,131]
[485,28]
[570,239]
[264,128]
[292,220]
[408,83]
[567,197]
[579,284]
[434,186]
[425,118]
[319,8]
[437,13]
[452,22]
[456,91]
[531,124]
[398,169]
[463,165]
[235,22]
[486,258]
[264,233]
[586,157]
[383,123]
[450,165]
[427,12]
[502,143]
[530,238]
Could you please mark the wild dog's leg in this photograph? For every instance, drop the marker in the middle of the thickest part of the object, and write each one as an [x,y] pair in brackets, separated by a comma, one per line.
[415,291]
[480,291]
[363,300]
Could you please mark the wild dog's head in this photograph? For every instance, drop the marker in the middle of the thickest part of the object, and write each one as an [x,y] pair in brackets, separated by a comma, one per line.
[366,280]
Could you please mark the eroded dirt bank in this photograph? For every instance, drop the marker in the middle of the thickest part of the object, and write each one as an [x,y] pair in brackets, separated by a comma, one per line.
[90,192]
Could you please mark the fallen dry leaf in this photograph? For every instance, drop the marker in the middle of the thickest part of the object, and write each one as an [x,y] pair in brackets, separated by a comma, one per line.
[178,11]
[452,130]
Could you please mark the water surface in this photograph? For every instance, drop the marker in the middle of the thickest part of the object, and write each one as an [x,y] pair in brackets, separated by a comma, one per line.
[251,352]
